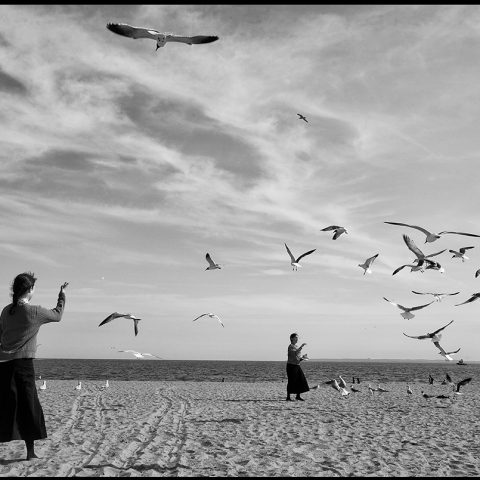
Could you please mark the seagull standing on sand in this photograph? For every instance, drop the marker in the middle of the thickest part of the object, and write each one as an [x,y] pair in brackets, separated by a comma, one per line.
[211,315]
[161,38]
[43,386]
[294,262]
[407,312]
[438,296]
[367,263]
[460,253]
[380,389]
[338,230]
[78,386]
[301,117]
[211,264]
[371,389]
[431,237]
[409,390]
[115,315]
[474,297]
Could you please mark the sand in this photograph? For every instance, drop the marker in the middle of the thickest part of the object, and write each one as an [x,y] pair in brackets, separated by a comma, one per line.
[248,429]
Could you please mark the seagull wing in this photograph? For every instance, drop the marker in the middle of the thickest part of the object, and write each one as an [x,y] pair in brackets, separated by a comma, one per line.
[420,337]
[400,268]
[209,260]
[200,316]
[135,325]
[434,254]
[393,303]
[305,254]
[426,232]
[218,318]
[411,245]
[454,351]
[419,293]
[420,306]
[197,39]
[448,378]
[440,329]
[460,233]
[132,32]
[442,351]
[464,249]
[456,293]
[290,253]
[111,317]
[471,299]
[463,382]
[331,227]
[337,234]
[370,260]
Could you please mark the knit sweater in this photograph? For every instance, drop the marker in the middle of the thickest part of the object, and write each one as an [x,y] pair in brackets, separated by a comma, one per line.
[18,331]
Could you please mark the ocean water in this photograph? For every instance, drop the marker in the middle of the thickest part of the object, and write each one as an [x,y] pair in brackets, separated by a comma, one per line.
[248,371]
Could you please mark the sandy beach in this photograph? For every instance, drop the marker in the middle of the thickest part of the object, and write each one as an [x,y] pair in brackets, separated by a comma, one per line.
[141,428]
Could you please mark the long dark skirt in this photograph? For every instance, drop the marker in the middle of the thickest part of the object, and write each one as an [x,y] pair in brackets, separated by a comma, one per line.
[297,383]
[21,415]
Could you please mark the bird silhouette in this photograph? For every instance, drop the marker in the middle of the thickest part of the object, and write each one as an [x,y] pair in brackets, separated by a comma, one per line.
[211,315]
[211,264]
[115,315]
[460,253]
[475,296]
[337,230]
[301,117]
[366,265]
[295,261]
[407,311]
[431,237]
[161,38]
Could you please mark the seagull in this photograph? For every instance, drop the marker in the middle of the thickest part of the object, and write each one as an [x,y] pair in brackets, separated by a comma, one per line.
[433,336]
[43,386]
[448,379]
[456,386]
[409,390]
[367,263]
[295,262]
[460,253]
[338,230]
[78,386]
[430,379]
[443,396]
[353,389]
[161,38]
[115,315]
[438,296]
[474,297]
[338,387]
[380,389]
[431,237]
[138,354]
[342,383]
[106,385]
[407,311]
[477,273]
[212,265]
[371,389]
[211,315]
[426,395]
[301,117]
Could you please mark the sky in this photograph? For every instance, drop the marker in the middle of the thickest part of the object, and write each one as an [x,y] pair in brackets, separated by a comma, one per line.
[122,166]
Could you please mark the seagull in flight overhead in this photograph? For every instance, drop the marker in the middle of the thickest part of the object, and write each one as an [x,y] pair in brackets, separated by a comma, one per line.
[460,253]
[407,312]
[161,38]
[115,315]
[422,259]
[301,117]
[138,354]
[338,230]
[367,263]
[211,315]
[474,297]
[211,264]
[295,261]
[431,237]
[438,296]
[433,336]
[442,352]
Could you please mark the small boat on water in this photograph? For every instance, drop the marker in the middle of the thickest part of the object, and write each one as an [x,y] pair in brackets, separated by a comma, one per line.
[461,362]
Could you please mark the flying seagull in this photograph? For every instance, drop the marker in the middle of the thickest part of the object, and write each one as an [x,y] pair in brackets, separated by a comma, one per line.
[456,386]
[460,253]
[161,38]
[211,264]
[407,312]
[295,261]
[438,296]
[474,297]
[431,237]
[211,315]
[421,259]
[433,336]
[301,117]
[138,354]
[477,273]
[367,263]
[115,315]
[338,230]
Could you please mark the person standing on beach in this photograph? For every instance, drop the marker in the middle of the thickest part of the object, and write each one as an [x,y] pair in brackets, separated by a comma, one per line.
[21,415]
[296,381]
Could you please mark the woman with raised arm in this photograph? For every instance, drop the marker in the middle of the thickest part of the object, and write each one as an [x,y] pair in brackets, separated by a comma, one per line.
[21,415]
[297,383]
